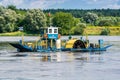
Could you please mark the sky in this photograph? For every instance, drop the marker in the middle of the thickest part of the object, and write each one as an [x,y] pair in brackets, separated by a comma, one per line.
[63,4]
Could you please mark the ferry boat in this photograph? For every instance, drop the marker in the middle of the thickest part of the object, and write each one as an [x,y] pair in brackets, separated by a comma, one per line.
[50,41]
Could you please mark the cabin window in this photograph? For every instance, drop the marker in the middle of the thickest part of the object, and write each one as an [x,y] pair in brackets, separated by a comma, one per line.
[50,30]
[55,30]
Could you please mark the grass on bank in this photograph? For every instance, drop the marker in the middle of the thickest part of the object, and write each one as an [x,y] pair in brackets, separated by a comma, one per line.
[18,33]
[97,30]
[91,30]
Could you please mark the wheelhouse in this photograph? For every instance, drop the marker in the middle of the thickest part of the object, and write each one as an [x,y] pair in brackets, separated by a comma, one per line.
[52,32]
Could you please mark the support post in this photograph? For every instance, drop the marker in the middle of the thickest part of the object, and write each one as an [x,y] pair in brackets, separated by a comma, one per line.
[46,43]
[51,43]
[22,39]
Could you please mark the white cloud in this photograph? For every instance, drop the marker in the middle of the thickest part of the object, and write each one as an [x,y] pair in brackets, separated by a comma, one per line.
[94,0]
[31,3]
[9,2]
[101,1]
[112,6]
[45,3]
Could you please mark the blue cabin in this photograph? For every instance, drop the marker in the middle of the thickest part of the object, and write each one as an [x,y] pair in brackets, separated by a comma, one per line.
[52,32]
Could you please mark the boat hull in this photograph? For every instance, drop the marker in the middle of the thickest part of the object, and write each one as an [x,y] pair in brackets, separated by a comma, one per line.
[21,48]
[24,48]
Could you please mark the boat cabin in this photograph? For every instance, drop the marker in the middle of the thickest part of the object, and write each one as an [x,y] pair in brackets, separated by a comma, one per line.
[52,32]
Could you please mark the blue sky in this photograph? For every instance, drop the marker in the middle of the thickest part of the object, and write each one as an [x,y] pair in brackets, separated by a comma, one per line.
[66,4]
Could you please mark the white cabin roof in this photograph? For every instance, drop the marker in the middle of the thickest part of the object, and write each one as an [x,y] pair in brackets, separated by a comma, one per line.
[52,30]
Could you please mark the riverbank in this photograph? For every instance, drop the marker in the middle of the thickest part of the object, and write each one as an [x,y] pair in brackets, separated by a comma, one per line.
[18,33]
[90,30]
[96,30]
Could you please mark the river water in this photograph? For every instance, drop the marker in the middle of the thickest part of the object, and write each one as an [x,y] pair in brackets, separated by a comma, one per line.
[65,65]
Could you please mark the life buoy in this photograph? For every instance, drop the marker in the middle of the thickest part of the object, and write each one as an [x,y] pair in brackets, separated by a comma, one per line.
[45,36]
[59,35]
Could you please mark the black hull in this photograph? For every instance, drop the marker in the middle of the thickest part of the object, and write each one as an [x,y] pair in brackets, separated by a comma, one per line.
[21,48]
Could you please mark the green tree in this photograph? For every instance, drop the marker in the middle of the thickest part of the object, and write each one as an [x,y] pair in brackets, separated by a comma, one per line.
[79,29]
[20,20]
[105,22]
[1,10]
[63,20]
[12,7]
[78,13]
[90,18]
[76,21]
[8,20]
[34,19]
[2,23]
[10,17]
[105,31]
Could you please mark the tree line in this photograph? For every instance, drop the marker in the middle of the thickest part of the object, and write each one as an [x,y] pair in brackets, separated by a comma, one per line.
[81,12]
[71,21]
[104,17]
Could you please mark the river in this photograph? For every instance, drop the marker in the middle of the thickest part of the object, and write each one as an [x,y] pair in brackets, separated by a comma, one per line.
[67,65]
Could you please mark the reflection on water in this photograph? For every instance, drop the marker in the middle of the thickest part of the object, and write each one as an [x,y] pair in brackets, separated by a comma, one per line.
[9,52]
[90,56]
[59,65]
[52,57]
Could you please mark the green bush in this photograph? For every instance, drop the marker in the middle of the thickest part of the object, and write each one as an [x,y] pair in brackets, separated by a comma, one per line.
[106,31]
[106,22]
[79,29]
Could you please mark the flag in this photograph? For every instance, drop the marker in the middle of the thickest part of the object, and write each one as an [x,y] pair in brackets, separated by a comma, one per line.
[49,14]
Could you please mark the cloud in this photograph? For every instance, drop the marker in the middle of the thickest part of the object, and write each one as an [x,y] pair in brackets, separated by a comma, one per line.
[101,1]
[112,6]
[45,3]
[9,2]
[31,3]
